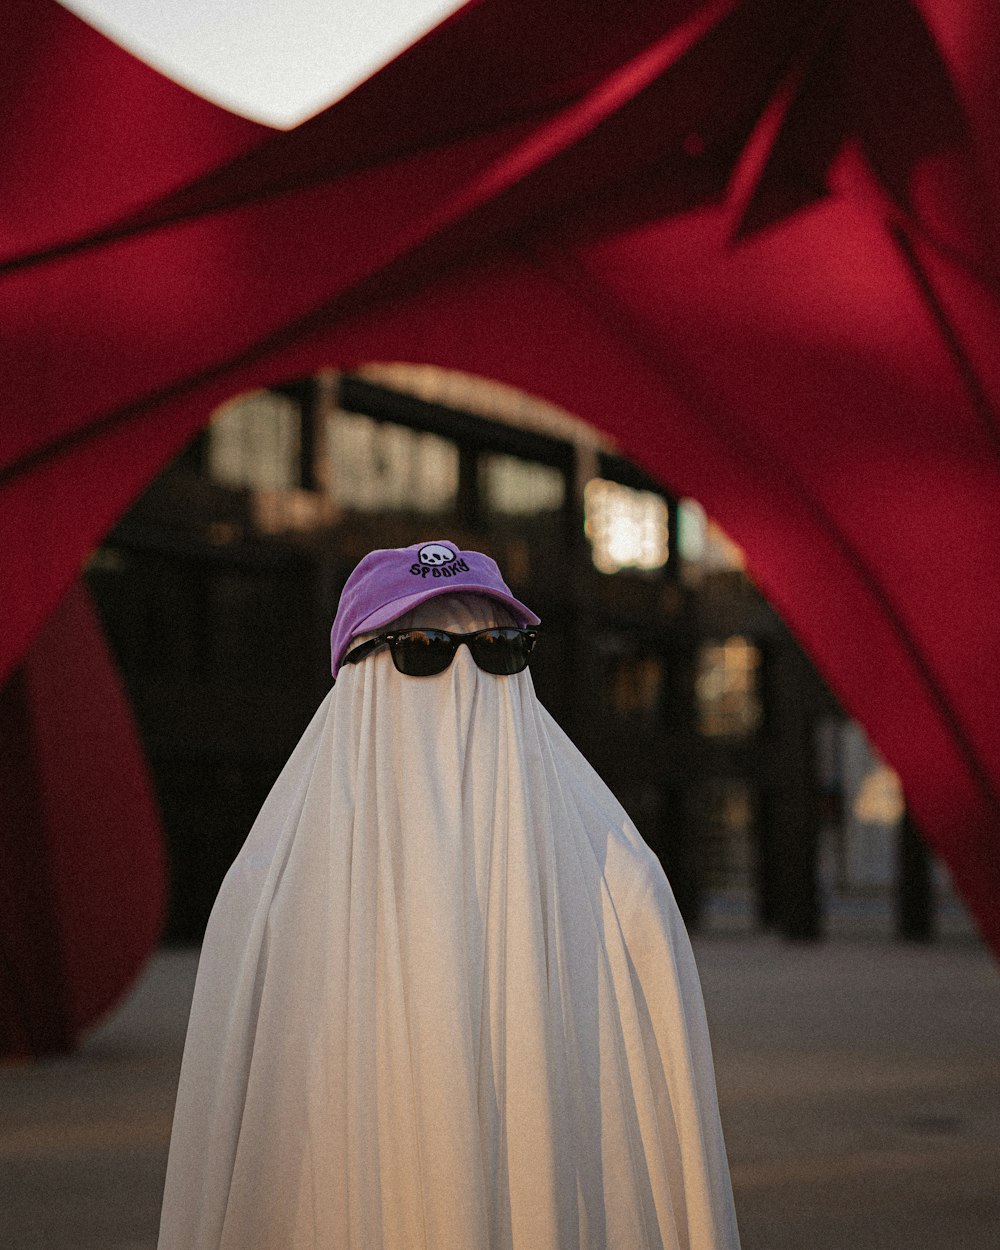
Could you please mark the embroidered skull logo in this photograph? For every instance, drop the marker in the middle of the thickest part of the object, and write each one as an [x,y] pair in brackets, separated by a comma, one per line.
[435,554]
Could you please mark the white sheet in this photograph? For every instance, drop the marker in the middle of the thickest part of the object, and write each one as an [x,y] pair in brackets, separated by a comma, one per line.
[445,999]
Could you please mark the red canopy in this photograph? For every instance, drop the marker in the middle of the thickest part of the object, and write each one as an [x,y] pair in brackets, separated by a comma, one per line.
[753,241]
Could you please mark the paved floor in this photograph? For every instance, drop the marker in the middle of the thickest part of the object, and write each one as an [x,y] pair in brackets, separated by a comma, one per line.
[859,1084]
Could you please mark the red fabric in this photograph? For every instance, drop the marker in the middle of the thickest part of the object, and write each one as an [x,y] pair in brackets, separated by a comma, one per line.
[84,875]
[751,240]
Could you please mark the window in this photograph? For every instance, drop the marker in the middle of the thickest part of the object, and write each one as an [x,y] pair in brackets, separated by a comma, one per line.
[380,466]
[254,442]
[727,689]
[635,686]
[510,486]
[723,808]
[627,528]
[703,547]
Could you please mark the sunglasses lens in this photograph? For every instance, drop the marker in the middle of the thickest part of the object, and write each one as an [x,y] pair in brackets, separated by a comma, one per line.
[422,652]
[426,652]
[502,651]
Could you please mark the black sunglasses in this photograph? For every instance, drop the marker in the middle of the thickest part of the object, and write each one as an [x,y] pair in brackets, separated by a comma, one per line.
[425,652]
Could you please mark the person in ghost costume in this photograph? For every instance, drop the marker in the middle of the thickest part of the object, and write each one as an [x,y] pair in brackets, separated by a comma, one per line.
[445,999]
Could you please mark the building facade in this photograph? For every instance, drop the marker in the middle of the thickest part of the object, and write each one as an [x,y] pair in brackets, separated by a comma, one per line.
[658,655]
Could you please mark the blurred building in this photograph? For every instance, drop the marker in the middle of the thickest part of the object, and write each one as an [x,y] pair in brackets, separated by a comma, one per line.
[658,655]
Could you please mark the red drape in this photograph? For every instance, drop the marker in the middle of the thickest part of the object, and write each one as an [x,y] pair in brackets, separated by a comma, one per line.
[753,241]
[83,876]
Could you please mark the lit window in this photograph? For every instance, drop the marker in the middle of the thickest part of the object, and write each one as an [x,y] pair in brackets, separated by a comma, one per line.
[627,528]
[879,800]
[702,545]
[379,466]
[723,809]
[254,442]
[513,487]
[636,685]
[692,531]
[727,688]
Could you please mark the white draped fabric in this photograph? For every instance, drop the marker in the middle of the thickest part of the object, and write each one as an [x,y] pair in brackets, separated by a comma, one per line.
[445,998]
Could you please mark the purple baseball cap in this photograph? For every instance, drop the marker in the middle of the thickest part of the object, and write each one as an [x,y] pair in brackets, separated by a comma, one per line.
[390,582]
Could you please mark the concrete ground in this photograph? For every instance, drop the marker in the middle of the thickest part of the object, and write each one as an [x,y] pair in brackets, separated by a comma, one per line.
[859,1082]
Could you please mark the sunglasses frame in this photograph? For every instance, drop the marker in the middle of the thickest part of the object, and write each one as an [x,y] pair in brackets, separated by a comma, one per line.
[391,639]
